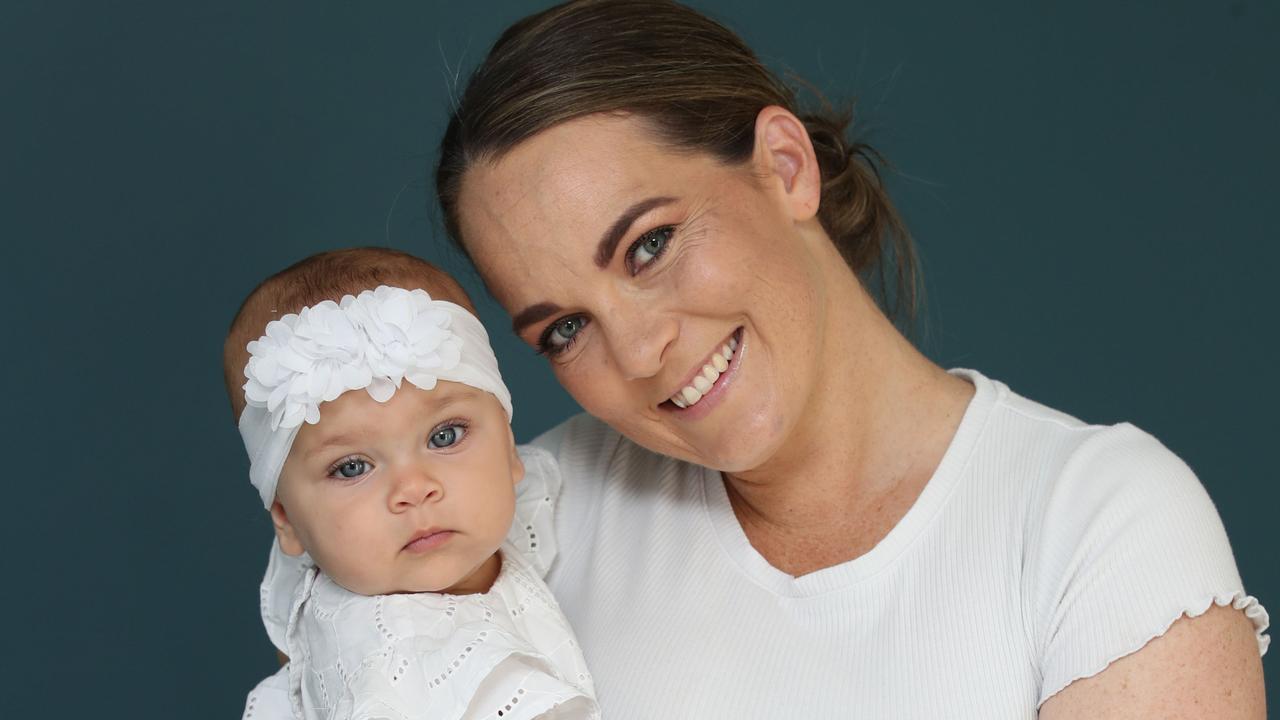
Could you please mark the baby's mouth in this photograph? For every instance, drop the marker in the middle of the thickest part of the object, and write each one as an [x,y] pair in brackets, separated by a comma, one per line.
[428,540]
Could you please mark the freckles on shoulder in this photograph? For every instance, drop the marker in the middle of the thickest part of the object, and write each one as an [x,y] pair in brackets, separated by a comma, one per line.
[1202,666]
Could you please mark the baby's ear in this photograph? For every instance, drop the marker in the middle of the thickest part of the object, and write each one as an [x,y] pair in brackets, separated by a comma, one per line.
[285,532]
[517,465]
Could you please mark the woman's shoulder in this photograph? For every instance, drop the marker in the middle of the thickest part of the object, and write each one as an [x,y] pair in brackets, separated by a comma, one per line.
[1091,477]
[1106,464]
[1088,492]
[1106,494]
[1049,452]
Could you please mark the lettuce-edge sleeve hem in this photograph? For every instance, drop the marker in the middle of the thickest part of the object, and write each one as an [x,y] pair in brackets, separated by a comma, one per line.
[1248,604]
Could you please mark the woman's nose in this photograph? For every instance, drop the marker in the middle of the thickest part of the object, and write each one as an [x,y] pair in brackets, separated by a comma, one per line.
[640,336]
[412,487]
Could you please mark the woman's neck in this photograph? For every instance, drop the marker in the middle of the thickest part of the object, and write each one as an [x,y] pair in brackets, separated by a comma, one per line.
[877,423]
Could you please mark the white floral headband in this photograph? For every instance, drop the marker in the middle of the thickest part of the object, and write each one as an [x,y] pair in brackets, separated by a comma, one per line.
[369,342]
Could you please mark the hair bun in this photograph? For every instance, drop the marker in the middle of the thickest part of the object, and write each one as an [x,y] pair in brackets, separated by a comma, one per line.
[855,208]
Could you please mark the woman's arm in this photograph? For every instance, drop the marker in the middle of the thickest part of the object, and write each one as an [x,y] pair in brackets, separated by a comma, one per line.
[1203,667]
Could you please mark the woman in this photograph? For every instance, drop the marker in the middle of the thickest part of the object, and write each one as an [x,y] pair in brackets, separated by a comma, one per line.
[780,507]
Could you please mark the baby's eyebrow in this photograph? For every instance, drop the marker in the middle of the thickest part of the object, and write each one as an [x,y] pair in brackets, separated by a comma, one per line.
[440,398]
[452,393]
[335,440]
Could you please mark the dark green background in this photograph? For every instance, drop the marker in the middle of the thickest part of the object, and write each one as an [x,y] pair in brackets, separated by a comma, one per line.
[1092,188]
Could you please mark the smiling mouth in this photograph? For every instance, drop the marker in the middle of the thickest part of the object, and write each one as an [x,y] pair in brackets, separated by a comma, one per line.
[705,380]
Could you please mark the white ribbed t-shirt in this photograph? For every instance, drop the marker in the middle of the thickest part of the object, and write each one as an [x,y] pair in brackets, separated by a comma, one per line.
[1041,550]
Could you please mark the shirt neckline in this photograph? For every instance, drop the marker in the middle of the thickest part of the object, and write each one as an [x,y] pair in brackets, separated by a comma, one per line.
[733,540]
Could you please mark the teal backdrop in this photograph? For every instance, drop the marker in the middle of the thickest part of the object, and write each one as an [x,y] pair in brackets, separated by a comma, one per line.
[1092,186]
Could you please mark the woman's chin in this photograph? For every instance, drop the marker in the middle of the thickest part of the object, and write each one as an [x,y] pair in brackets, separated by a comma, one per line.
[738,460]
[736,447]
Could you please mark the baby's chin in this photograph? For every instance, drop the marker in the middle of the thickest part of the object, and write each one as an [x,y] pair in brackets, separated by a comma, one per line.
[361,586]
[480,580]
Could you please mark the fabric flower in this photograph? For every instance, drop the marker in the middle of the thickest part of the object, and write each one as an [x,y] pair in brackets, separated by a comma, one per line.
[408,338]
[372,341]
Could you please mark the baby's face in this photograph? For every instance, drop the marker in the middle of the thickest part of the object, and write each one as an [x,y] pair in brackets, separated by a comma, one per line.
[412,495]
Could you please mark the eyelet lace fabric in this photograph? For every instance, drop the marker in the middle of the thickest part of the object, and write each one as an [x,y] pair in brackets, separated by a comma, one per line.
[507,653]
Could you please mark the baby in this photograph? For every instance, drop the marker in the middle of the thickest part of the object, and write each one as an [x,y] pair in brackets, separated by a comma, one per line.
[379,438]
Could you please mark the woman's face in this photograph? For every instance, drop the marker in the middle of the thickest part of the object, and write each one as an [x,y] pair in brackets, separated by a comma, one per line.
[634,267]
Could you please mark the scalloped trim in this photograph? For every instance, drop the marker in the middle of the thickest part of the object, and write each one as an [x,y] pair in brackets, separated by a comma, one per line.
[1247,603]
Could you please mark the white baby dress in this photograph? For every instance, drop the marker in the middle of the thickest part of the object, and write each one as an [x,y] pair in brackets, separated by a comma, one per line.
[505,654]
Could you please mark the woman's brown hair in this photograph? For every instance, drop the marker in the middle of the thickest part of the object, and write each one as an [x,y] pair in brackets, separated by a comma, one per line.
[697,85]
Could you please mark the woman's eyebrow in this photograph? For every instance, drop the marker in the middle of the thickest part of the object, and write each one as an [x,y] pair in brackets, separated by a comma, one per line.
[532,314]
[609,241]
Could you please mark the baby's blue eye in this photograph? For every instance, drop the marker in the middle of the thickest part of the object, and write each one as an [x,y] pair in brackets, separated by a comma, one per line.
[446,436]
[352,468]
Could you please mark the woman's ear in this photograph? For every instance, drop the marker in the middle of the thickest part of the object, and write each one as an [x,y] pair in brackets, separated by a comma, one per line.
[784,153]
[285,532]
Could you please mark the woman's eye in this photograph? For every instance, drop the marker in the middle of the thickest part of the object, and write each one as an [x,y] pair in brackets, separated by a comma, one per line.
[350,468]
[447,436]
[561,334]
[648,248]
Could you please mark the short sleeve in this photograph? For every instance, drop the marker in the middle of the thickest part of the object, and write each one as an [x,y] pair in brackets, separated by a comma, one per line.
[521,688]
[270,699]
[1127,542]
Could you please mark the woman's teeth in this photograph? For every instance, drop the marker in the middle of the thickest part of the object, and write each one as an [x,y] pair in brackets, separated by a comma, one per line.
[689,395]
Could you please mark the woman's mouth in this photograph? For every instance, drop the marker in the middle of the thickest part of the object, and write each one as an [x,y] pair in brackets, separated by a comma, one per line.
[707,380]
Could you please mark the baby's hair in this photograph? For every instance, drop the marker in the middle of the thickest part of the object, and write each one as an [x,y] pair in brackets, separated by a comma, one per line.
[325,276]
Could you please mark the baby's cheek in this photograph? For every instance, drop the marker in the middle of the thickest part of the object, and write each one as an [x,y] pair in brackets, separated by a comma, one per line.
[350,550]
[493,513]
[354,573]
